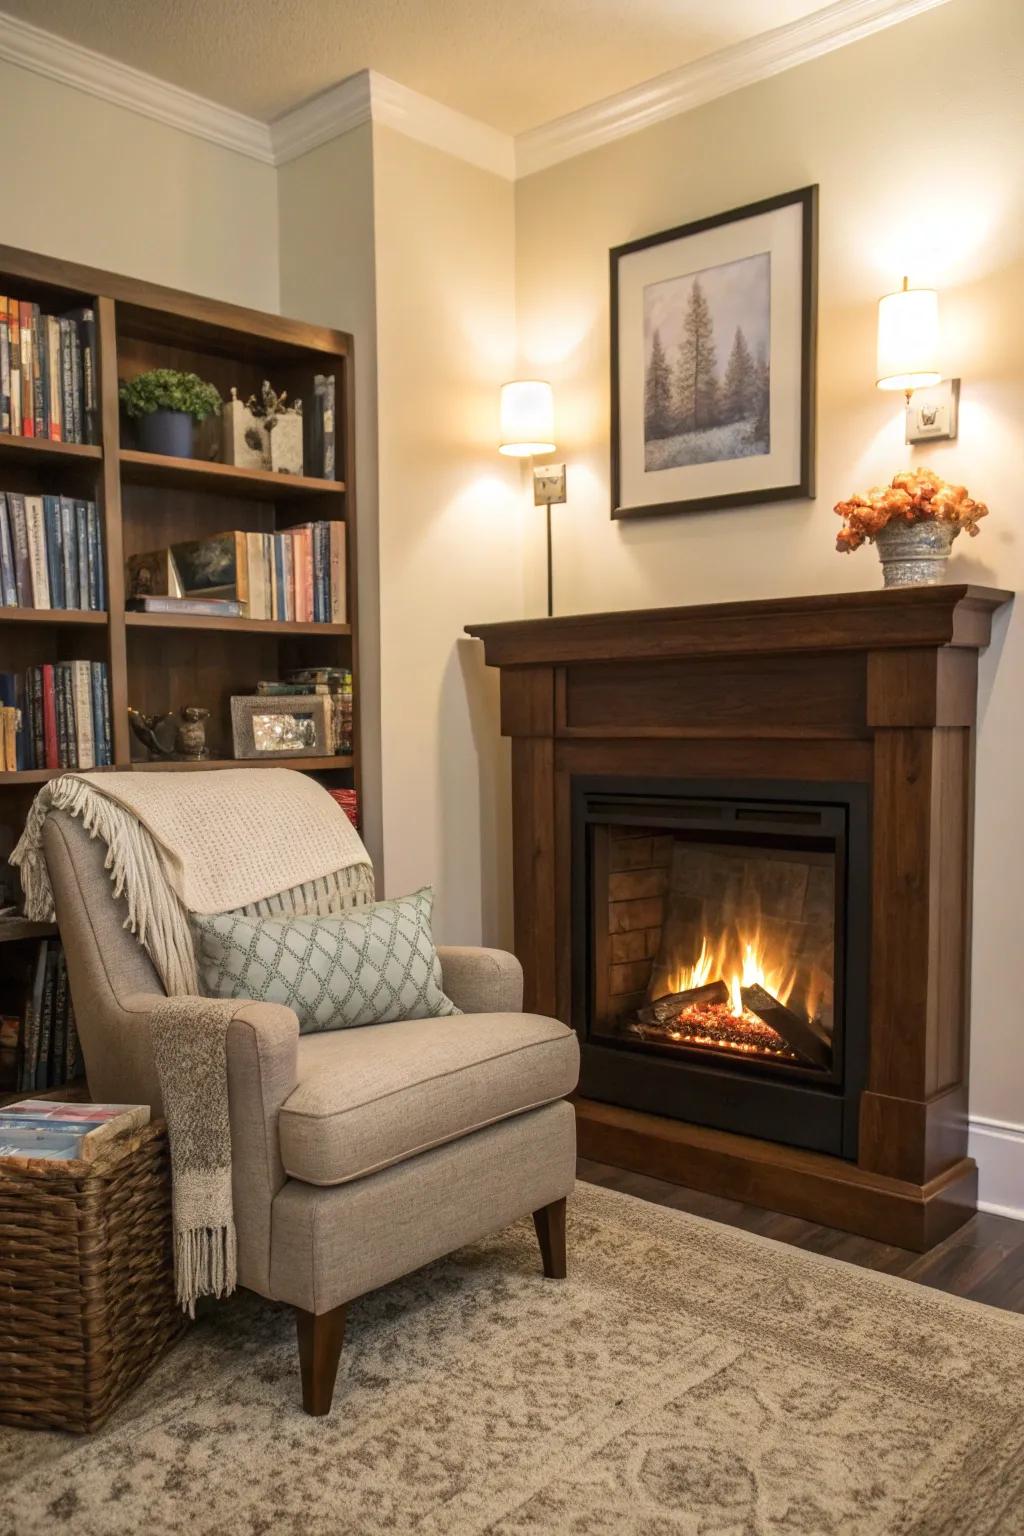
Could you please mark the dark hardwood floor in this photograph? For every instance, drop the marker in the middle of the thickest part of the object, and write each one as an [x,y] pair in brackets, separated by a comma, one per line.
[984,1260]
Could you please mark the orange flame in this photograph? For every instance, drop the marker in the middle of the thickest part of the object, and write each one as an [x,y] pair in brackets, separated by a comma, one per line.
[741,960]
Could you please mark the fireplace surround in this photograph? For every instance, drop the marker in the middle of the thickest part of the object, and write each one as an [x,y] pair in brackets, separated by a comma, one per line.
[742,872]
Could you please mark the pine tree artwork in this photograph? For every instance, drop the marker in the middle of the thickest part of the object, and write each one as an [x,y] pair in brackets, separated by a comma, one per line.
[659,414]
[707,380]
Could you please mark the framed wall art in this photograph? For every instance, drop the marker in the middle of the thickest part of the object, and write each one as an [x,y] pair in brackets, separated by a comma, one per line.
[713,350]
[281,725]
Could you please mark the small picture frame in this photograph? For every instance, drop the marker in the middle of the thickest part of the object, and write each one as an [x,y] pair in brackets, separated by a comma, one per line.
[280,725]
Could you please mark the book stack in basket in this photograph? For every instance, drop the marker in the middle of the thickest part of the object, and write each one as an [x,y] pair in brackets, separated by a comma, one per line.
[87,1301]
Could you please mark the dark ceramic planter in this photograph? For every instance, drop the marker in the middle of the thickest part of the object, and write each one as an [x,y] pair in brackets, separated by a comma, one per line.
[167,432]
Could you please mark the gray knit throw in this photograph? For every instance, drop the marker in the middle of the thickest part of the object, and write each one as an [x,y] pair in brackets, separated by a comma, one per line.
[189,1037]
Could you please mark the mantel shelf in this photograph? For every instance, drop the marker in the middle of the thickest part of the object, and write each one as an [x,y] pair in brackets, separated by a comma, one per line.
[226,624]
[158,469]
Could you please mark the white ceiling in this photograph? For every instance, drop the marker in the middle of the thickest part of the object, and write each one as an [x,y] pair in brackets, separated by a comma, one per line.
[510,63]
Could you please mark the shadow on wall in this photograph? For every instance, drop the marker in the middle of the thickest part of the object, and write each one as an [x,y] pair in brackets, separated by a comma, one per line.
[476,803]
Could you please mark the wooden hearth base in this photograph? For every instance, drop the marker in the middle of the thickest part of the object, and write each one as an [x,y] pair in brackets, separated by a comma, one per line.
[807,1184]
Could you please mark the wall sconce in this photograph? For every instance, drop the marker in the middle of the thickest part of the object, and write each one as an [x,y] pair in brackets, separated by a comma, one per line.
[528,429]
[907,359]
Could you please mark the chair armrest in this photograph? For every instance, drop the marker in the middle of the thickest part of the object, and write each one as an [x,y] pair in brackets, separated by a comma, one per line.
[481,980]
[262,1050]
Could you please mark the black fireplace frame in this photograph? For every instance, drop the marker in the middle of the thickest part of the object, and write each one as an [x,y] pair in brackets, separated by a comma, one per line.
[821,1114]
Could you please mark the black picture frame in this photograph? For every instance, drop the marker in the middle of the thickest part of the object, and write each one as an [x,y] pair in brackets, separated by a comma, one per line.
[807,198]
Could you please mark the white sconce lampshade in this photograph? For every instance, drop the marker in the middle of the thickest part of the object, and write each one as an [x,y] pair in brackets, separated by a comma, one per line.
[908,339]
[527,418]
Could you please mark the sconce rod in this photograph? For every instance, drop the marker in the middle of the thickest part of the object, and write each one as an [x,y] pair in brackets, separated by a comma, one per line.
[551,606]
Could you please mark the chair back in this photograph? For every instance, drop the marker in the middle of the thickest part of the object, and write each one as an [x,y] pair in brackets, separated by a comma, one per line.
[107,966]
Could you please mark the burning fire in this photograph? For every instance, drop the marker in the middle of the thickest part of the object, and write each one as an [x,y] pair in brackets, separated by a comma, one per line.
[740,961]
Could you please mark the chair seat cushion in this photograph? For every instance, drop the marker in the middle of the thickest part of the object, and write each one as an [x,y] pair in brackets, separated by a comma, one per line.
[373,1096]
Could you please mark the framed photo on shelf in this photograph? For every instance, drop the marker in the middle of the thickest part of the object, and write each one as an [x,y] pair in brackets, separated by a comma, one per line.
[713,358]
[281,725]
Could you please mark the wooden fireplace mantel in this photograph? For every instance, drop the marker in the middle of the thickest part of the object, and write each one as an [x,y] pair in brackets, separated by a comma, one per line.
[878,688]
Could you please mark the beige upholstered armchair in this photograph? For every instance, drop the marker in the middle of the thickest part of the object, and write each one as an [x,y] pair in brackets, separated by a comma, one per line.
[358,1154]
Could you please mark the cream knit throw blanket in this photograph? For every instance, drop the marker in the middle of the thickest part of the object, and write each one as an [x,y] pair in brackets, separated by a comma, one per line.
[257,840]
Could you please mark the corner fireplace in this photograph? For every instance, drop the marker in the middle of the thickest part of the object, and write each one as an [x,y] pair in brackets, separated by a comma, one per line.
[720,932]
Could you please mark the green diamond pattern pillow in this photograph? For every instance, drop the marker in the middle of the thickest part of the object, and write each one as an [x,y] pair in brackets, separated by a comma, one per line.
[369,965]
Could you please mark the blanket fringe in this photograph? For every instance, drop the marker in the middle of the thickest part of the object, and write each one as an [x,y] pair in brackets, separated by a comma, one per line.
[204,1264]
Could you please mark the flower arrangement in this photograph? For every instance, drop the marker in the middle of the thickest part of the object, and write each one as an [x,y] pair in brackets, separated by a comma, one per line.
[165,389]
[914,496]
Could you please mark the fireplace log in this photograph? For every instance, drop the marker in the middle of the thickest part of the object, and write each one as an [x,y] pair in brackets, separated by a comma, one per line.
[805,1037]
[665,1009]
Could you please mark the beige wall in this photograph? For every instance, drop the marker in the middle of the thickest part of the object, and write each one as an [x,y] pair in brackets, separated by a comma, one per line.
[936,192]
[450,527]
[97,184]
[327,277]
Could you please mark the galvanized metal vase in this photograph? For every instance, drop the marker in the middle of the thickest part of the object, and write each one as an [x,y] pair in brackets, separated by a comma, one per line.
[915,554]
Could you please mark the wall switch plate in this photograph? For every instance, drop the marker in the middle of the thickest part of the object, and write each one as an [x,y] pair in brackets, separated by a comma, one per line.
[933,412]
[548,485]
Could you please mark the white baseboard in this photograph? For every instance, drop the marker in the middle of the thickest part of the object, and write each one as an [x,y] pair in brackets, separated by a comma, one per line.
[997,1147]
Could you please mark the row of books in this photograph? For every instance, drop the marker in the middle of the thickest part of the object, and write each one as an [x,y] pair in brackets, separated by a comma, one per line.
[51,553]
[39,1046]
[43,1128]
[48,380]
[335,683]
[56,716]
[295,575]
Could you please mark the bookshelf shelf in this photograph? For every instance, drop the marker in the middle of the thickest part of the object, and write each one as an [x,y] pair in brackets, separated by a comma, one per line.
[155,469]
[75,1092]
[40,450]
[16,929]
[231,625]
[68,617]
[307,764]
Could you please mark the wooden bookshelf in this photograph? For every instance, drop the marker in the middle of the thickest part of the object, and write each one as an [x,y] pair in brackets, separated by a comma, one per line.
[160,662]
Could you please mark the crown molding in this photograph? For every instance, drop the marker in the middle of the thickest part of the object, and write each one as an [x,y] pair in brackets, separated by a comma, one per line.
[335,111]
[431,122]
[730,69]
[85,70]
[370,97]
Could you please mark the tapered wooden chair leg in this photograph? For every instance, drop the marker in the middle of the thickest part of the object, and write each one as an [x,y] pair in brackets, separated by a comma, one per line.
[320,1340]
[550,1224]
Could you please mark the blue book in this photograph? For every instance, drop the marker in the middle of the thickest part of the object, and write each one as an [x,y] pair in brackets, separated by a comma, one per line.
[82,550]
[279,568]
[318,563]
[69,552]
[94,556]
[54,550]
[99,734]
[108,745]
[8,578]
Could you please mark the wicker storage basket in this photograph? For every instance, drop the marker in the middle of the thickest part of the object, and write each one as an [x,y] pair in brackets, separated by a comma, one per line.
[86,1281]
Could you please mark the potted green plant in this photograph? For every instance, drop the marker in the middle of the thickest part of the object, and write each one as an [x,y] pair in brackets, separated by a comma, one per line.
[165,403]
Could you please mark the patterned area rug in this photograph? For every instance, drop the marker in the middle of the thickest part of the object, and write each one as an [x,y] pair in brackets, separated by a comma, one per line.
[688,1380]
